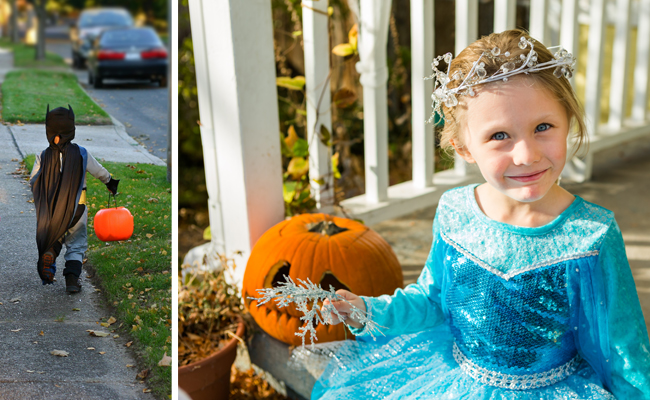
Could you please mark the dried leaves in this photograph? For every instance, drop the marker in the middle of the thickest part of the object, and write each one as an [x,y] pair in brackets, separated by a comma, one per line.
[208,307]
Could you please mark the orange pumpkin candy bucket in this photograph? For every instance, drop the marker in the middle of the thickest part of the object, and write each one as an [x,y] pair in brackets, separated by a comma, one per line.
[113,224]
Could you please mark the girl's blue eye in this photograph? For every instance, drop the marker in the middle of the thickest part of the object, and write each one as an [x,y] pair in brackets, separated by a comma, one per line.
[543,127]
[499,136]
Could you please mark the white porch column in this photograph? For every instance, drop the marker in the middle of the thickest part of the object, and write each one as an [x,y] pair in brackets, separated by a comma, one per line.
[466,33]
[315,33]
[422,53]
[373,38]
[235,69]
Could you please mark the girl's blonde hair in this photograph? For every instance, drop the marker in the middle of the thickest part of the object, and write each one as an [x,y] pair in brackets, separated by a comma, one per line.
[508,41]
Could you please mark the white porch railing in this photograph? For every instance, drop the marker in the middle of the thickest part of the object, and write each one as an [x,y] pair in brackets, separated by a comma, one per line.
[239,112]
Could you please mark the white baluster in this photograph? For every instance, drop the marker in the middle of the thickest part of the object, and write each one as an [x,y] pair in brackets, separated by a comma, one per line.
[422,53]
[207,130]
[237,95]
[466,33]
[641,69]
[373,37]
[620,61]
[569,29]
[315,33]
[538,18]
[595,65]
[505,14]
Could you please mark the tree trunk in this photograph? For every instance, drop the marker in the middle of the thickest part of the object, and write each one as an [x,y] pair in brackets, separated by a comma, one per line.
[13,22]
[40,29]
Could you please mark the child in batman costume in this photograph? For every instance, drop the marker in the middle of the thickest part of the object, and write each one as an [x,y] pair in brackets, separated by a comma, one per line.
[58,181]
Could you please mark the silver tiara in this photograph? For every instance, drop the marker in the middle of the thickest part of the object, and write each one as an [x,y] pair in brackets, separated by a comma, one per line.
[563,63]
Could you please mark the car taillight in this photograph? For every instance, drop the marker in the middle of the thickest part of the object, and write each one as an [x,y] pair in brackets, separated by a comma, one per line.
[155,53]
[110,55]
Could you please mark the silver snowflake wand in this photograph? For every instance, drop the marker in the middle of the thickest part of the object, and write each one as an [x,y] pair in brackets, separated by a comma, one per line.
[288,292]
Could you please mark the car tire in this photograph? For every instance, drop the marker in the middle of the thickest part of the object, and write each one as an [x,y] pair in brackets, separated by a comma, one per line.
[97,82]
[162,82]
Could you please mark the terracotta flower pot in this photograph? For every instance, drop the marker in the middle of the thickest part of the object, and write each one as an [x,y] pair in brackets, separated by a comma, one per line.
[209,379]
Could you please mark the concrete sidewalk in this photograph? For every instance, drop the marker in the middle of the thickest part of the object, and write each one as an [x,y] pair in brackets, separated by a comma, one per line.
[37,319]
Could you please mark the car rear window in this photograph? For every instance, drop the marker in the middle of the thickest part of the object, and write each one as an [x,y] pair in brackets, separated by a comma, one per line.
[105,18]
[130,37]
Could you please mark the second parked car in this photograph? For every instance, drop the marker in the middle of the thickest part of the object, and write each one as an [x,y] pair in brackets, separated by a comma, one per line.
[134,53]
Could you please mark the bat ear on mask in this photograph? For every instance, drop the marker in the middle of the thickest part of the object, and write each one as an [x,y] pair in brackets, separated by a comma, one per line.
[70,112]
[47,112]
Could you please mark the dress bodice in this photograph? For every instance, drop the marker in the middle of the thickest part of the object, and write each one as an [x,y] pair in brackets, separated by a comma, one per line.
[519,325]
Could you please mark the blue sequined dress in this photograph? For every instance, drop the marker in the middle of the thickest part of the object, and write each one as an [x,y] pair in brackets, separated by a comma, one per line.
[505,312]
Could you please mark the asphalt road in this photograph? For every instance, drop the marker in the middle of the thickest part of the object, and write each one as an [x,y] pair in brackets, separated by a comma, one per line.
[141,106]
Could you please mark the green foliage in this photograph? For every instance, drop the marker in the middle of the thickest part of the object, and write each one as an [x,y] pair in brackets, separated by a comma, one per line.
[26,94]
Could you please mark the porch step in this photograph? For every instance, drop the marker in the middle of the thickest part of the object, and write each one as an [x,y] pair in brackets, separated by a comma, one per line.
[272,356]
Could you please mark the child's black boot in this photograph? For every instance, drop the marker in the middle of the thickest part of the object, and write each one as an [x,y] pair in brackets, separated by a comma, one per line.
[72,271]
[72,284]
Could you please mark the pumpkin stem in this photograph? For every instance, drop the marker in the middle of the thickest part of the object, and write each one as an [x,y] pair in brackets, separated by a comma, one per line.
[328,228]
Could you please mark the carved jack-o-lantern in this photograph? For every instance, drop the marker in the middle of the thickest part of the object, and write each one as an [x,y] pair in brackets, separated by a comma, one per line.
[329,251]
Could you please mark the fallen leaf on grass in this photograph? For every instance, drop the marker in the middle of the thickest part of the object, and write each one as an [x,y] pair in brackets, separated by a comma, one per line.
[142,374]
[128,344]
[97,333]
[166,361]
[60,353]
[17,330]
[149,235]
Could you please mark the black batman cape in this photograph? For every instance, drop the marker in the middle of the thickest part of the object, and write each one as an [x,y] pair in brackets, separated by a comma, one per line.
[55,188]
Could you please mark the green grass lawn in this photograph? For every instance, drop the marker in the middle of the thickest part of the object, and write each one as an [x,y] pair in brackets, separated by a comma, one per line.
[135,275]
[24,56]
[26,93]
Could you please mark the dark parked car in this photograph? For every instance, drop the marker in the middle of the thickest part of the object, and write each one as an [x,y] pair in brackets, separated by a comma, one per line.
[133,53]
[91,23]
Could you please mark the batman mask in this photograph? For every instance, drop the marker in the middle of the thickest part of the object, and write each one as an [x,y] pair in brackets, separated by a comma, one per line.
[59,122]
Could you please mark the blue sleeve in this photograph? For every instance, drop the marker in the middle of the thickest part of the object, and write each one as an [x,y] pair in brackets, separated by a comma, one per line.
[417,306]
[623,356]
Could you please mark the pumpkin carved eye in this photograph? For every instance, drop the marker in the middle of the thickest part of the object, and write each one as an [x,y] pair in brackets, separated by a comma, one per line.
[276,274]
[329,279]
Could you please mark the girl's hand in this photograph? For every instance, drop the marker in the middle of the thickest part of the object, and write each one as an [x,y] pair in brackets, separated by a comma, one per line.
[344,308]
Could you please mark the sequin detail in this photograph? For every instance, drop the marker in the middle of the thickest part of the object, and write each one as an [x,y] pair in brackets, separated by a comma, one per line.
[515,382]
